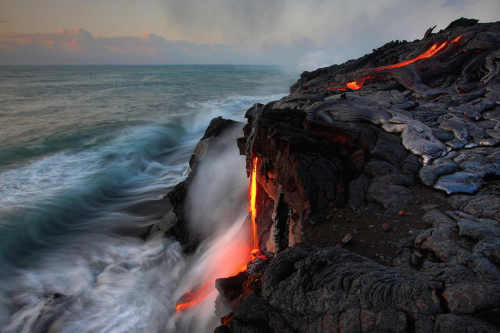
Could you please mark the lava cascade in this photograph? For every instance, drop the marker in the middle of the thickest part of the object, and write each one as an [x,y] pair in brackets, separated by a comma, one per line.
[253,203]
[190,299]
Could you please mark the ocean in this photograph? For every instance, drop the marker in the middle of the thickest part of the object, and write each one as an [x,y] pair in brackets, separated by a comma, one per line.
[87,156]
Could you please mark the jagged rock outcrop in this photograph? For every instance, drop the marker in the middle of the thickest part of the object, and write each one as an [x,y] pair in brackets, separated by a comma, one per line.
[211,141]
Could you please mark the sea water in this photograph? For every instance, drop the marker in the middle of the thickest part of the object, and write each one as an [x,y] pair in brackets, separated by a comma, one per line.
[87,156]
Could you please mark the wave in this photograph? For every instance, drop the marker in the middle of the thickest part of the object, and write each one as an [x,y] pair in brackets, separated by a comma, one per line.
[69,227]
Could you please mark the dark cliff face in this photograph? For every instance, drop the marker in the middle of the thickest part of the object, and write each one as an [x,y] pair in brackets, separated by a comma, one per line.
[363,134]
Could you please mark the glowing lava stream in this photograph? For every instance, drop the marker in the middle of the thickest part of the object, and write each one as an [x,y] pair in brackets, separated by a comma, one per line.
[434,49]
[190,299]
[253,206]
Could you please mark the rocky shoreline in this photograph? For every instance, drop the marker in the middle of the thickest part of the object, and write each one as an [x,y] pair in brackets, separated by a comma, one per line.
[378,191]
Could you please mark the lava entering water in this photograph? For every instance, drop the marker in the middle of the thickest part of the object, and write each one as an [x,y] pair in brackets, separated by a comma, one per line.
[190,299]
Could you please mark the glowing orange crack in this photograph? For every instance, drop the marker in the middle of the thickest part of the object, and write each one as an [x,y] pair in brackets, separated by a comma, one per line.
[253,203]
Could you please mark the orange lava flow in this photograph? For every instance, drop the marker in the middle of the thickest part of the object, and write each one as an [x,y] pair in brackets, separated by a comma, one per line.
[253,205]
[354,84]
[429,53]
[433,50]
[189,299]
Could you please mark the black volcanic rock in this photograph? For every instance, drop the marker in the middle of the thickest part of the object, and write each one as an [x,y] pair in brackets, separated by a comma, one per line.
[308,289]
[364,134]
[462,22]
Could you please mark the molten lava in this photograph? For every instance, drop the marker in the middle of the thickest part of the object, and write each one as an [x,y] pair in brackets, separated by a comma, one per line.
[253,200]
[433,50]
[429,53]
[190,299]
[356,84]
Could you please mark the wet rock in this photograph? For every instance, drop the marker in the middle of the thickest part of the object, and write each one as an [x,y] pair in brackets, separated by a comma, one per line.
[161,228]
[218,126]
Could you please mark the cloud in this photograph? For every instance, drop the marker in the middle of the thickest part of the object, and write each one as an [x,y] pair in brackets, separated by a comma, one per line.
[282,32]
[78,46]
[460,4]
[3,21]
[235,22]
[314,60]
[276,29]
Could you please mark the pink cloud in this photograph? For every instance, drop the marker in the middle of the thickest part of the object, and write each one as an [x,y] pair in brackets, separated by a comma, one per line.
[78,46]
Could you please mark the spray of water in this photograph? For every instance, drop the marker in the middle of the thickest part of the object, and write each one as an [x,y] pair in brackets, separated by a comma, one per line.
[96,280]
[216,205]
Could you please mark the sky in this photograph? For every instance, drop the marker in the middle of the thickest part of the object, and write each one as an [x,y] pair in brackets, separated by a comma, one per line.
[303,34]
